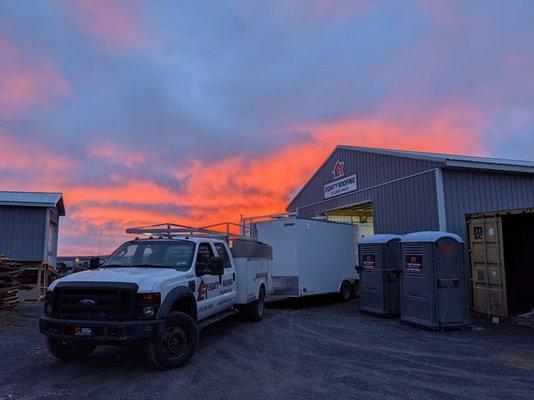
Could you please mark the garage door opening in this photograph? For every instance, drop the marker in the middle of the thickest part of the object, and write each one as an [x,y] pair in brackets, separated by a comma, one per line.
[502,262]
[360,215]
[518,235]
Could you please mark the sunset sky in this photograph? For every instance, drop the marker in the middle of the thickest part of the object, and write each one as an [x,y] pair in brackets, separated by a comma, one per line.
[200,111]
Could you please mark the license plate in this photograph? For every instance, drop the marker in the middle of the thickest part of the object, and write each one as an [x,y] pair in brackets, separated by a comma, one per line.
[82,331]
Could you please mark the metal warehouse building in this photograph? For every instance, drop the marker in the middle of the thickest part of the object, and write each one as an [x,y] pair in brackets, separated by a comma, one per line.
[390,191]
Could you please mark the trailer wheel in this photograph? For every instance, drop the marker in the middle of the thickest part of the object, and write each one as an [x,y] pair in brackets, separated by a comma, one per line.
[355,290]
[175,345]
[256,308]
[69,351]
[345,291]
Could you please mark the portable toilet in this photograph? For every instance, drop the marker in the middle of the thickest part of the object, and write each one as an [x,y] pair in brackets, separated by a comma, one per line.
[433,280]
[379,268]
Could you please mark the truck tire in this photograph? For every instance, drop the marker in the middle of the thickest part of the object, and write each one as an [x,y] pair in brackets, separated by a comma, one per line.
[256,308]
[67,351]
[345,291]
[175,346]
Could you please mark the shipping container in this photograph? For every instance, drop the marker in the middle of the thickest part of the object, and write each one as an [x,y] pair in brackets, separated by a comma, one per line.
[501,248]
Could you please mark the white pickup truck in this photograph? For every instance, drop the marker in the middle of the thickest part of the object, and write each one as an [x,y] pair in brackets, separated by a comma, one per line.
[158,293]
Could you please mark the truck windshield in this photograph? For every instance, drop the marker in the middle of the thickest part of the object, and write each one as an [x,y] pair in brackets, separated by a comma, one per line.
[177,254]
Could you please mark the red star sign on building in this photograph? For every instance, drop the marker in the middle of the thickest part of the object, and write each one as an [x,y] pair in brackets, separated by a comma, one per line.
[338,169]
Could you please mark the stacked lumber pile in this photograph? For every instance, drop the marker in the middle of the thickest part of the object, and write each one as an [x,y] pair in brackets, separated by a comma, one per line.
[9,284]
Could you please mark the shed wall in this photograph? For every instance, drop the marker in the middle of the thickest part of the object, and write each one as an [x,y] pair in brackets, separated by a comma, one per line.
[402,206]
[23,232]
[372,169]
[472,192]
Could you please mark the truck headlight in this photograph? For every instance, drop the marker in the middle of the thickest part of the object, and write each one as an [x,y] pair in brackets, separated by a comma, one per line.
[148,305]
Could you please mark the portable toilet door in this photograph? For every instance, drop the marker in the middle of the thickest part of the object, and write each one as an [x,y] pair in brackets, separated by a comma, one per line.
[379,274]
[452,303]
[434,282]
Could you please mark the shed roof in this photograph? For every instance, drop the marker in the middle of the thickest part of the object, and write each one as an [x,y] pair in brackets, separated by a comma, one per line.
[33,199]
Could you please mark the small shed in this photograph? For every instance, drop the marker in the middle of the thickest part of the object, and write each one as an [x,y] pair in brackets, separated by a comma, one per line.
[29,226]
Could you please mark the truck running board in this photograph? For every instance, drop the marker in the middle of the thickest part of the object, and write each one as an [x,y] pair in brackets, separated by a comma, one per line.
[215,318]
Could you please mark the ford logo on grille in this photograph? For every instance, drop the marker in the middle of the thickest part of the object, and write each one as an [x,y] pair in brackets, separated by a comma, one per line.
[87,302]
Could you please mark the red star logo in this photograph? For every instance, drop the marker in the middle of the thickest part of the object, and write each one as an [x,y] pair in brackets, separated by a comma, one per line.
[338,169]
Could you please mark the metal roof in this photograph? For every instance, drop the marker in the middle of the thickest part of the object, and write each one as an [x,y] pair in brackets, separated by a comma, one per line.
[447,161]
[454,160]
[33,199]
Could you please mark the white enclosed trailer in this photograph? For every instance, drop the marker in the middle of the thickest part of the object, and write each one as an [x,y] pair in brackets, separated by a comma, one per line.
[310,257]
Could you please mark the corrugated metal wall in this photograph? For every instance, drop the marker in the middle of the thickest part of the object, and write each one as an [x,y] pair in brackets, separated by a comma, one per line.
[23,233]
[472,192]
[371,168]
[402,206]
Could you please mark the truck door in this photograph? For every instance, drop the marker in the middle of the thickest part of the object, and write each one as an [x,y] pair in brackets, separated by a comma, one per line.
[208,286]
[228,285]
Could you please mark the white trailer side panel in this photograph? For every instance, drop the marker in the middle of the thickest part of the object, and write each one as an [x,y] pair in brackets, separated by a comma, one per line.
[309,256]
[326,256]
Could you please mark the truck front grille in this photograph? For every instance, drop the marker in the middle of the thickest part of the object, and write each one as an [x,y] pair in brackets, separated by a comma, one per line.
[109,302]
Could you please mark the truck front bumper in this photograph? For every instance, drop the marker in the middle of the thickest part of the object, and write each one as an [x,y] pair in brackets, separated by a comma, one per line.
[100,332]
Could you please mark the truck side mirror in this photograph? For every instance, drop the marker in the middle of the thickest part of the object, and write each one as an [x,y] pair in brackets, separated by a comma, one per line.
[94,263]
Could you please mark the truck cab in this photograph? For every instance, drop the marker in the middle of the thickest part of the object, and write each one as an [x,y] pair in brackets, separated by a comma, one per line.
[153,292]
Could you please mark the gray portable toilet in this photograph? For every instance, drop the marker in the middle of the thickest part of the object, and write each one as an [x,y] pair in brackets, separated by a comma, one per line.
[434,280]
[379,268]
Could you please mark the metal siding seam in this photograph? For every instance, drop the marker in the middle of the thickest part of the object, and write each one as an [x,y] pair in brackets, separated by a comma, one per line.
[440,200]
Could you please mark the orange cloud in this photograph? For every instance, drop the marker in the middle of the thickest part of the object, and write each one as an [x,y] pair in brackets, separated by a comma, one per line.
[24,84]
[114,22]
[224,190]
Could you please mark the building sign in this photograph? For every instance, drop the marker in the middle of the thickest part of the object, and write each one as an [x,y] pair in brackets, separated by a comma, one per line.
[414,263]
[368,261]
[338,170]
[342,186]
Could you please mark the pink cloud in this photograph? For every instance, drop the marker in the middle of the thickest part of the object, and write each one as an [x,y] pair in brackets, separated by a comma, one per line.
[111,152]
[25,84]
[114,22]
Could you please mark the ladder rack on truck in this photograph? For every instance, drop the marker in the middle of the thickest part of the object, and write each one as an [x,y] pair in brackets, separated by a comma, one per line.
[170,230]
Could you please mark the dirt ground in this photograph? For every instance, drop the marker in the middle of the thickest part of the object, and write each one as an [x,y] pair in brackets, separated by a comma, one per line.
[315,349]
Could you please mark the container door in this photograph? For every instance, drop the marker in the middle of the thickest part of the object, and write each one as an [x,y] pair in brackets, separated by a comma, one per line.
[487,266]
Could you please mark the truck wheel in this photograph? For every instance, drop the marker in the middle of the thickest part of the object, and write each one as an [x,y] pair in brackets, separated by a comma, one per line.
[174,346]
[256,308]
[69,351]
[345,291]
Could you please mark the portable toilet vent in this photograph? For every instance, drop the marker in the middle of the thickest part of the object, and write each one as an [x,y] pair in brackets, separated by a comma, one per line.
[379,268]
[434,282]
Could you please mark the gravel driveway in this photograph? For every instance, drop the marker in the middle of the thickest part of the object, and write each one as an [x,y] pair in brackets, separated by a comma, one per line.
[312,349]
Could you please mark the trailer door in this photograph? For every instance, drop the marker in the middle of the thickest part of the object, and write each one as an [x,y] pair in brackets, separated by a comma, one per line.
[487,266]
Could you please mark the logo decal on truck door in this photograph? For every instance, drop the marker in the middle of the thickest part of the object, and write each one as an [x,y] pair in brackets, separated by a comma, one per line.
[202,291]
